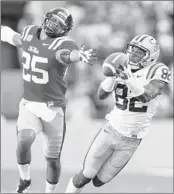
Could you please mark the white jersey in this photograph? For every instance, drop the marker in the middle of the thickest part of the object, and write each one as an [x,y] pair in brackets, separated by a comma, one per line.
[130,116]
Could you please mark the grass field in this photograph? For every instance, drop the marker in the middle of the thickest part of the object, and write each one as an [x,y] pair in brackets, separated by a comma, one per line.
[150,169]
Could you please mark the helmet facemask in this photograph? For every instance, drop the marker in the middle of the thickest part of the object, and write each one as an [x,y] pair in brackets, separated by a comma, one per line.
[137,56]
[142,51]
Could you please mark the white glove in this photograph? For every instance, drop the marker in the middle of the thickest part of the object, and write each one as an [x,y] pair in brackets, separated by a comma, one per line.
[87,55]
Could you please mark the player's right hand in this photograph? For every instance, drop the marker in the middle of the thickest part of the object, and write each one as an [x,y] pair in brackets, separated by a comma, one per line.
[87,56]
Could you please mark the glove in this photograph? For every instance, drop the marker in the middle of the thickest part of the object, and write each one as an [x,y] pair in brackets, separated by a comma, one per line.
[87,56]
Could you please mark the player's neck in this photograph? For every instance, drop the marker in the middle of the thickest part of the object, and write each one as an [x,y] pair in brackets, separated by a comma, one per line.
[42,35]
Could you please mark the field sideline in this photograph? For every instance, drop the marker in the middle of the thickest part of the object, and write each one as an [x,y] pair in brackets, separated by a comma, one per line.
[150,169]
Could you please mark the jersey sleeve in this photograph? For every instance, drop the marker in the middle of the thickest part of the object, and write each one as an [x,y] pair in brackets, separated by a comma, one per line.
[65,43]
[26,33]
[161,73]
[63,48]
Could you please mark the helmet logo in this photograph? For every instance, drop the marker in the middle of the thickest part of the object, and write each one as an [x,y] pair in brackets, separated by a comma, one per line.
[156,48]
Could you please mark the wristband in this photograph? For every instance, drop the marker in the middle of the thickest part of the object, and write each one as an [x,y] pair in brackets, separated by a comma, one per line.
[74,56]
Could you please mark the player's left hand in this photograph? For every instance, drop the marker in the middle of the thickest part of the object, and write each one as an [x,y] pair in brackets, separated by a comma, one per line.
[87,56]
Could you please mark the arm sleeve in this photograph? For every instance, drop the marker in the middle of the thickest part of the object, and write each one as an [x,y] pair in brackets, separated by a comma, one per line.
[10,36]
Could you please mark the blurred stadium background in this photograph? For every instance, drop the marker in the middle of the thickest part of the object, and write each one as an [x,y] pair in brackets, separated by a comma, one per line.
[106,26]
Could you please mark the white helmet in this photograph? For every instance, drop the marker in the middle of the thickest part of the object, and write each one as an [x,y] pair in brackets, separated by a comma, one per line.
[142,50]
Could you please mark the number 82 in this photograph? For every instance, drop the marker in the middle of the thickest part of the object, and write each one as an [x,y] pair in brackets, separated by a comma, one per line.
[166,74]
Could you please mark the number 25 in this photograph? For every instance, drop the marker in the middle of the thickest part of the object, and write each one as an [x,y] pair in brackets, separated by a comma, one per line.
[30,62]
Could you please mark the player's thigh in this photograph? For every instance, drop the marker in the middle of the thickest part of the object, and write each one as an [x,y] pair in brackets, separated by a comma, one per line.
[27,120]
[99,151]
[115,163]
[53,134]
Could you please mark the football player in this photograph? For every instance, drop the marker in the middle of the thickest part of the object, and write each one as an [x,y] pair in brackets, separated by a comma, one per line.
[47,53]
[136,90]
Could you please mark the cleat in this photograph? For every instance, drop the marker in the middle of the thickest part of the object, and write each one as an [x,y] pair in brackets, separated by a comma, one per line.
[23,186]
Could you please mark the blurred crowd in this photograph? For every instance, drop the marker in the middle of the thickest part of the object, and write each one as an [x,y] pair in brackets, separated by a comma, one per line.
[106,26]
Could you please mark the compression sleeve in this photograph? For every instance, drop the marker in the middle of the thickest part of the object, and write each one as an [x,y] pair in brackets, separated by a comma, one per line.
[7,34]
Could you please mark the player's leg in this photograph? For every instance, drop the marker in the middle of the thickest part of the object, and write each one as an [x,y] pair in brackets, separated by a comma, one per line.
[118,160]
[53,135]
[27,127]
[98,153]
[77,183]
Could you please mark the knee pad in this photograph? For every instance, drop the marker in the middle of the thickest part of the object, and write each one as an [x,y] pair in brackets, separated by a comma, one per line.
[25,138]
[80,180]
[96,182]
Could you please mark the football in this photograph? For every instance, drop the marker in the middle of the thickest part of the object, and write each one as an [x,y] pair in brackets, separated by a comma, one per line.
[113,62]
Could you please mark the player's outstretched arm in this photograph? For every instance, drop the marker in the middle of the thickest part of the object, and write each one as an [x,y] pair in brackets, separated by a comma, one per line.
[72,55]
[10,36]
[106,87]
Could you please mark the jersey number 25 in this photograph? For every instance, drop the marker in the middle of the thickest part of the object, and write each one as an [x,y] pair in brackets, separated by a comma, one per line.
[30,63]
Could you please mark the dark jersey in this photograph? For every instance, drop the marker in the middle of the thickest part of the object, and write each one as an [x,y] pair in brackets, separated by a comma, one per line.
[43,75]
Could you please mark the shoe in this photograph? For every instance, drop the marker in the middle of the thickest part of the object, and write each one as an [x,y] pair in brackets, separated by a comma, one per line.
[23,186]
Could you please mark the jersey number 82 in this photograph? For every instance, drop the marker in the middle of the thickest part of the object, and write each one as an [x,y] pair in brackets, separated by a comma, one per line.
[122,102]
